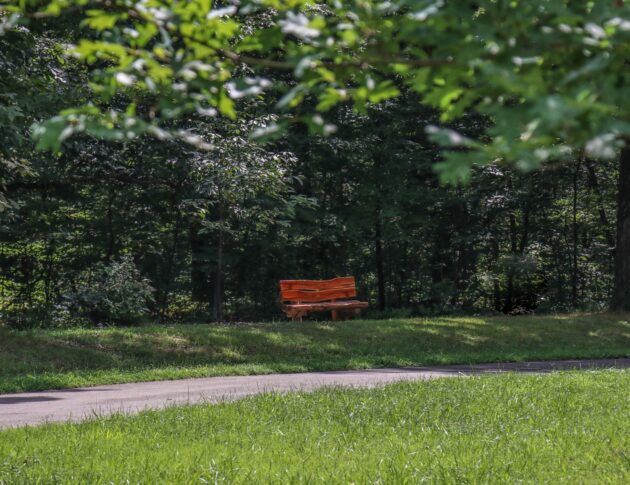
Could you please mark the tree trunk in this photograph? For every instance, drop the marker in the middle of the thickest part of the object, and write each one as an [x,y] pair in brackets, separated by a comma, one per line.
[167,280]
[217,297]
[594,186]
[198,264]
[380,272]
[378,232]
[111,235]
[574,268]
[496,288]
[525,228]
[621,289]
[509,304]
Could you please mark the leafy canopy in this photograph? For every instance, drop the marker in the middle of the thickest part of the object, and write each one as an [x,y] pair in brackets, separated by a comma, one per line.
[549,74]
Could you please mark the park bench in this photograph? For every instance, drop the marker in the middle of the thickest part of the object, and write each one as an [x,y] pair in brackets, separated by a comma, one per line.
[299,297]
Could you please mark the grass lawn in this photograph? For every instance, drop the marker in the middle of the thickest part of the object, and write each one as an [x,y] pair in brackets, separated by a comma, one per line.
[559,428]
[47,359]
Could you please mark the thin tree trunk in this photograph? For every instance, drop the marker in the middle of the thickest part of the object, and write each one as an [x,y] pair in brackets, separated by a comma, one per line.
[495,281]
[574,269]
[402,276]
[198,264]
[594,186]
[509,298]
[378,233]
[380,272]
[217,300]
[111,236]
[525,229]
[48,271]
[621,289]
[163,299]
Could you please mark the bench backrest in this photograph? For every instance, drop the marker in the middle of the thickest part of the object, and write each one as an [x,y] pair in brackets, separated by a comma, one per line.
[313,291]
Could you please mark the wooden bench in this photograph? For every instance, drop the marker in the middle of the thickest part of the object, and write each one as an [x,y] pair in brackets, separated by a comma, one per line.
[299,297]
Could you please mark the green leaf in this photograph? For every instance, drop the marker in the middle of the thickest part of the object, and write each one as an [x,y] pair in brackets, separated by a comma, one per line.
[449,97]
[329,98]
[226,106]
[100,20]
[385,90]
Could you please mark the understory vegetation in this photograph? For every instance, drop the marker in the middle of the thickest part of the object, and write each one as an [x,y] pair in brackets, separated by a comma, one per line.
[46,359]
[564,427]
[362,202]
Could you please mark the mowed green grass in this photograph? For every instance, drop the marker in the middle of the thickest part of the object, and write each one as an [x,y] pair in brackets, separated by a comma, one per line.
[556,428]
[45,359]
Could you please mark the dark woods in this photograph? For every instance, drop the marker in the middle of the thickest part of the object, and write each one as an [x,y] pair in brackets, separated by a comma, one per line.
[114,233]
[208,235]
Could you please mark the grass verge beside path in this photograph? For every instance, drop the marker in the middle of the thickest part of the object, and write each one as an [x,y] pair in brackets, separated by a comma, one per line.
[559,428]
[48,359]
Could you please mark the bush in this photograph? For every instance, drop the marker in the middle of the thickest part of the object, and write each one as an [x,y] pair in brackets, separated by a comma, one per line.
[113,293]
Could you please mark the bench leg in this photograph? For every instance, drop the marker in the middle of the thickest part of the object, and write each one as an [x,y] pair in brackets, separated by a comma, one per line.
[295,315]
[349,314]
[335,314]
[299,315]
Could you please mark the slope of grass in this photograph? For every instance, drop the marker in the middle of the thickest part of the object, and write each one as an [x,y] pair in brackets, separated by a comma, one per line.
[41,359]
[560,428]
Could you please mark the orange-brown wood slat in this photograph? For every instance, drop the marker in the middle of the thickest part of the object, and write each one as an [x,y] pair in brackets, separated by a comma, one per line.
[343,282]
[307,296]
[339,305]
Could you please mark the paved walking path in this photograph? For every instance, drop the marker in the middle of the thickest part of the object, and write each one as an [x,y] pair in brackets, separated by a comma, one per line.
[34,408]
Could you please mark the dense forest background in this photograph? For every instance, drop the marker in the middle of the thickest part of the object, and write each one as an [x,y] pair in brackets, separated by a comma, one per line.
[112,232]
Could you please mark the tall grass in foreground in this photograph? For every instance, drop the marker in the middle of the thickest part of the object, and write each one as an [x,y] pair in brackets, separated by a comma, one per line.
[560,428]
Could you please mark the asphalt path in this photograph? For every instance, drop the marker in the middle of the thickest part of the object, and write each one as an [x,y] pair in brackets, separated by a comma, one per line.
[33,408]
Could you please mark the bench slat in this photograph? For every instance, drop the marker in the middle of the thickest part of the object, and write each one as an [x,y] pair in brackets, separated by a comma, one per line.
[343,282]
[313,296]
[331,305]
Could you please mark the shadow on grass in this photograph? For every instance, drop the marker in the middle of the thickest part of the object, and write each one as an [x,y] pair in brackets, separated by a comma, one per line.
[314,345]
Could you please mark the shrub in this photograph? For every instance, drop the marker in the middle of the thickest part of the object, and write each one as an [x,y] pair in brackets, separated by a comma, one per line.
[113,293]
